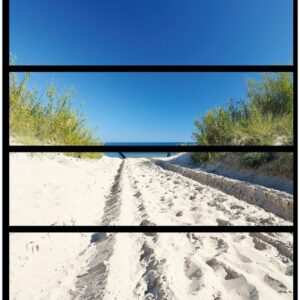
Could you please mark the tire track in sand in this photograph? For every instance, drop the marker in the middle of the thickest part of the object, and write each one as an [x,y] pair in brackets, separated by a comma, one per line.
[113,203]
[91,284]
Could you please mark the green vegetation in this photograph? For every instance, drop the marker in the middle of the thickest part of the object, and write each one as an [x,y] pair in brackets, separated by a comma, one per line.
[52,120]
[268,163]
[256,159]
[275,163]
[265,118]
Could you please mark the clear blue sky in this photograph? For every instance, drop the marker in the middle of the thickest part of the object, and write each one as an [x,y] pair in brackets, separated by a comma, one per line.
[151,31]
[146,107]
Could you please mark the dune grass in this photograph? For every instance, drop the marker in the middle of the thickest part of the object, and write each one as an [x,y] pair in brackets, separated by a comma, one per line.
[256,159]
[264,118]
[268,163]
[37,119]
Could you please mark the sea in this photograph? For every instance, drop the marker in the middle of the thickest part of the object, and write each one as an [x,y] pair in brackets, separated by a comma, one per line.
[146,154]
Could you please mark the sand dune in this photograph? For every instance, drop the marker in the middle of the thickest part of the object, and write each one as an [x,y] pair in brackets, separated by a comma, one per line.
[151,266]
[52,189]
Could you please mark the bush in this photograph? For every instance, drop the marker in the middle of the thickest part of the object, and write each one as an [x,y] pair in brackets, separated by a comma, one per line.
[273,95]
[52,121]
[270,164]
[266,118]
[255,160]
[202,157]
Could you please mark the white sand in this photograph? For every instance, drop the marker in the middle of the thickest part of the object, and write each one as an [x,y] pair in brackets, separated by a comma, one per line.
[45,265]
[138,266]
[53,189]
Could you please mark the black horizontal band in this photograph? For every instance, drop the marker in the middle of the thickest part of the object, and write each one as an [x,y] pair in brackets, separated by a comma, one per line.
[151,229]
[15,148]
[152,68]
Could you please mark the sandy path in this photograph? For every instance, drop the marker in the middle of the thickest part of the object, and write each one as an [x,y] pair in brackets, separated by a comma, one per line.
[151,266]
[54,189]
[167,198]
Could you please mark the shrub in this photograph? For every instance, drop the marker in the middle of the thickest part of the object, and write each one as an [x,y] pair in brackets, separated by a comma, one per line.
[255,159]
[52,120]
[202,157]
[266,117]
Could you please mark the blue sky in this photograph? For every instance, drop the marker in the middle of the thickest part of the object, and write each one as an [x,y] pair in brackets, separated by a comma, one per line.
[146,107]
[151,32]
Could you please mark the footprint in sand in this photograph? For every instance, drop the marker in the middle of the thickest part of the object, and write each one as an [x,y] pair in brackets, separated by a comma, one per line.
[179,214]
[233,281]
[220,245]
[221,198]
[156,284]
[141,207]
[276,284]
[137,194]
[259,244]
[222,222]
[194,273]
[238,207]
